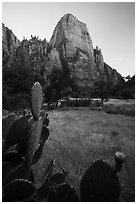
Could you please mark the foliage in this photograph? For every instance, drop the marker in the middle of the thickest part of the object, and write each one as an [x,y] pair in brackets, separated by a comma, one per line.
[80,102]
[126,90]
[60,85]
[21,69]
[102,88]
[120,109]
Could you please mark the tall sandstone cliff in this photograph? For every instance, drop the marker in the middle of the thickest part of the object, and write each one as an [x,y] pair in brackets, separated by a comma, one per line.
[70,47]
[71,43]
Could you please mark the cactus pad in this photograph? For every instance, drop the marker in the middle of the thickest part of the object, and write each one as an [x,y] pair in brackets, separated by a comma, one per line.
[33,139]
[22,148]
[119,160]
[46,121]
[18,189]
[20,172]
[38,153]
[6,168]
[13,158]
[119,157]
[42,113]
[40,185]
[17,131]
[7,123]
[100,183]
[44,134]
[58,178]
[36,100]
[63,193]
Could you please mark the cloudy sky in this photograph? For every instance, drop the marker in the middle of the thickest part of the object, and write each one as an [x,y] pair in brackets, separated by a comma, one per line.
[111,26]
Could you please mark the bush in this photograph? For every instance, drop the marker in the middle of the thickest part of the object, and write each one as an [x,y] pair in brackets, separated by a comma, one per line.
[76,102]
[16,101]
[122,109]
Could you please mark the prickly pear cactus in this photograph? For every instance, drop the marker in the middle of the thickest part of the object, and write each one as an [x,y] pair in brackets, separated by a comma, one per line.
[23,137]
[119,161]
[6,168]
[46,120]
[18,189]
[38,153]
[100,183]
[13,158]
[42,113]
[17,132]
[63,193]
[7,123]
[20,172]
[33,140]
[44,134]
[36,100]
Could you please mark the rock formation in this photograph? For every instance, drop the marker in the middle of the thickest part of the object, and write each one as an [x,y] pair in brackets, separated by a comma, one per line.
[34,51]
[71,42]
[70,47]
[9,40]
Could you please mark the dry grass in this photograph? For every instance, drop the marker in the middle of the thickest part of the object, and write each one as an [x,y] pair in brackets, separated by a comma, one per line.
[80,136]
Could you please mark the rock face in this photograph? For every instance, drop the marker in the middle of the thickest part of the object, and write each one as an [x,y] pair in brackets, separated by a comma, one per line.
[9,40]
[70,47]
[71,42]
[34,51]
[104,70]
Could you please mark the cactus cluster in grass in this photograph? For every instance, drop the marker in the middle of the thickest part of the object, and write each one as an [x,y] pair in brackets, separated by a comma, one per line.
[23,142]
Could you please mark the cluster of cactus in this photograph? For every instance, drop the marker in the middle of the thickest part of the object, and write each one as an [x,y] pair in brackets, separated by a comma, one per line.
[23,141]
[100,182]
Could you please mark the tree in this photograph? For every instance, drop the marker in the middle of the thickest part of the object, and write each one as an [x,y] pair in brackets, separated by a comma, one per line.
[102,88]
[59,86]
[126,89]
[21,69]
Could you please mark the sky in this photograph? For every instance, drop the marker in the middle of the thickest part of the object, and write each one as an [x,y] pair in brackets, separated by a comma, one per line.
[111,26]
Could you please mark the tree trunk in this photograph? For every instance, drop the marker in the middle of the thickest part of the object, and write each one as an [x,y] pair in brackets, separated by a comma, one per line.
[102,100]
[57,103]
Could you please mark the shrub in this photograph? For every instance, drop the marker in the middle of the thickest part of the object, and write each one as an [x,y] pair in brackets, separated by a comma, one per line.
[76,102]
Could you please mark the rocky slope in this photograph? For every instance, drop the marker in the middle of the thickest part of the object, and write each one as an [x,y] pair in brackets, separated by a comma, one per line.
[71,42]
[70,47]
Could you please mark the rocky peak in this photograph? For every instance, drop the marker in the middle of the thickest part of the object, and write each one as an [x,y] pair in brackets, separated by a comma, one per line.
[74,45]
[71,42]
[72,34]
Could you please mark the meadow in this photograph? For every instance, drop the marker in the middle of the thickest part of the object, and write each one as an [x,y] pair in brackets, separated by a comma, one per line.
[79,136]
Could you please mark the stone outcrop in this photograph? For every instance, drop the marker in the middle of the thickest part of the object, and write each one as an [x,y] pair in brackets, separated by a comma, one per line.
[71,42]
[9,40]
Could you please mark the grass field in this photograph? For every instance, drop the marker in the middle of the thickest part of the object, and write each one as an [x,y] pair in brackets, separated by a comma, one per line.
[79,136]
